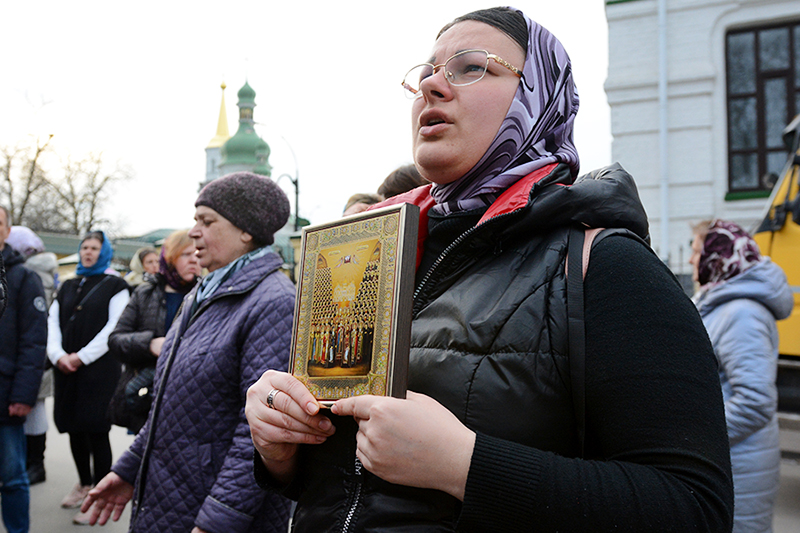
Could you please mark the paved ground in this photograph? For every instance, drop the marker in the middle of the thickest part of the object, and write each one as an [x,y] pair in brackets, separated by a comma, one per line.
[48,517]
[787,516]
[787,511]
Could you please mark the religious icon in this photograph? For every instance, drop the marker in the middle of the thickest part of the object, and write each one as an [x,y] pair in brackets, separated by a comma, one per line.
[352,320]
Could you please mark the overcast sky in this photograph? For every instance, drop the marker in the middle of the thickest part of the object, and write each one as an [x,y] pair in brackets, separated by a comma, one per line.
[141,83]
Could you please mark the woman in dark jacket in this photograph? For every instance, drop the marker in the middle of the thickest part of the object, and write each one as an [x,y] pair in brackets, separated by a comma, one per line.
[81,318]
[503,429]
[191,464]
[140,332]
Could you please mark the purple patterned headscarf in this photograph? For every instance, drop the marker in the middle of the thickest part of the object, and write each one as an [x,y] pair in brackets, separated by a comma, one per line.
[536,132]
[728,250]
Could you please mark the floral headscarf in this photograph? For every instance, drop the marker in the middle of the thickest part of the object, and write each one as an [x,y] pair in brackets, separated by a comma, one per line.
[728,250]
[536,132]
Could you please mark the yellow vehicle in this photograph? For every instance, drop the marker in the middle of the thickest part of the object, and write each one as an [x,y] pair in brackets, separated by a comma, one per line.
[778,237]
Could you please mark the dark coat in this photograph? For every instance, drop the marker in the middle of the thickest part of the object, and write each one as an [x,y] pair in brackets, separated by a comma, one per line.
[199,462]
[3,286]
[23,337]
[142,321]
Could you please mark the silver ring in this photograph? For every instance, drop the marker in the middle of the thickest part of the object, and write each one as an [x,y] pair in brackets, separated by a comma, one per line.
[271,398]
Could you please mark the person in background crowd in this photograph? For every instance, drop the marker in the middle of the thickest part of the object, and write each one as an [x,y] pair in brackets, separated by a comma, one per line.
[401,180]
[139,335]
[82,317]
[490,436]
[45,264]
[191,464]
[23,337]
[741,294]
[144,262]
[360,202]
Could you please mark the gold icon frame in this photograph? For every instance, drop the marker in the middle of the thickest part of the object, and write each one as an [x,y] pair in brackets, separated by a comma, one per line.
[352,319]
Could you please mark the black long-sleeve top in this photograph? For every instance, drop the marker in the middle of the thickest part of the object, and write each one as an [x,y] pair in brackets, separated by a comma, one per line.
[650,377]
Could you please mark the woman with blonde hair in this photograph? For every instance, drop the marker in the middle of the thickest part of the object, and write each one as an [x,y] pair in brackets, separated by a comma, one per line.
[140,332]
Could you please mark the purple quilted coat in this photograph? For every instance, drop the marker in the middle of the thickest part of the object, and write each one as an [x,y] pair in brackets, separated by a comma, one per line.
[199,461]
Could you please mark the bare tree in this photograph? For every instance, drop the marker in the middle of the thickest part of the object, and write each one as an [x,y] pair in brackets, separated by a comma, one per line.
[67,197]
[23,178]
[82,189]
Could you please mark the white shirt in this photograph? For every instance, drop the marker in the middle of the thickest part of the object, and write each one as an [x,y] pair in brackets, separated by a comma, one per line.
[98,346]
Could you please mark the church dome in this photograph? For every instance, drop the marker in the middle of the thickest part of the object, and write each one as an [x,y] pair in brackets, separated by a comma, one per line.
[246,93]
[262,157]
[242,147]
[246,148]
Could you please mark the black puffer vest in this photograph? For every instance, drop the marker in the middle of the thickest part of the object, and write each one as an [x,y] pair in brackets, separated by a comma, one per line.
[489,342]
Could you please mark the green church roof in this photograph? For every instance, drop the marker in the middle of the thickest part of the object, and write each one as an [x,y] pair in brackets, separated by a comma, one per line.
[246,147]
[241,148]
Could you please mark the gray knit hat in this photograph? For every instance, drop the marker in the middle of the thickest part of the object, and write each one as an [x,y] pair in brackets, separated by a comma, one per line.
[253,203]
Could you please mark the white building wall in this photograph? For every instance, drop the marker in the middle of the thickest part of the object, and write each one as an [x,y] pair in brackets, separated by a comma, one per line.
[214,169]
[213,157]
[696,123]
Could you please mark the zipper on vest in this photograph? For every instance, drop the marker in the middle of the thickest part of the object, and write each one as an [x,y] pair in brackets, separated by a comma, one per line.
[348,519]
[439,260]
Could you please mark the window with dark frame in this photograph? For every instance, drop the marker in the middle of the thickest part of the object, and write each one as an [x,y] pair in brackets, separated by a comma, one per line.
[763,92]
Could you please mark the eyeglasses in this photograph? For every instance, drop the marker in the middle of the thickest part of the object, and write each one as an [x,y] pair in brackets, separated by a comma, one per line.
[464,68]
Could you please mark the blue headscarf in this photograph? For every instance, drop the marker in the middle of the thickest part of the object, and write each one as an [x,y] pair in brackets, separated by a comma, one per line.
[103,262]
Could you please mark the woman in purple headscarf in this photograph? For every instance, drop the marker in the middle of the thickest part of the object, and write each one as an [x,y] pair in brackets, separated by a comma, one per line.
[491,435]
[137,339]
[741,294]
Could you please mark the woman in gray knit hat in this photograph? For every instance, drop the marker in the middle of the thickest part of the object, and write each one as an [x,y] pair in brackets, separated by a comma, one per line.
[190,467]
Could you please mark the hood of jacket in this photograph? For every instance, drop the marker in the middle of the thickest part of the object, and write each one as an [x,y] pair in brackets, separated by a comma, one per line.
[549,198]
[604,198]
[11,257]
[43,262]
[765,283]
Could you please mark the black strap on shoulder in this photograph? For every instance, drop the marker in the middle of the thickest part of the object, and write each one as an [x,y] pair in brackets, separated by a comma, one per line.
[83,300]
[577,331]
[580,241]
[3,286]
